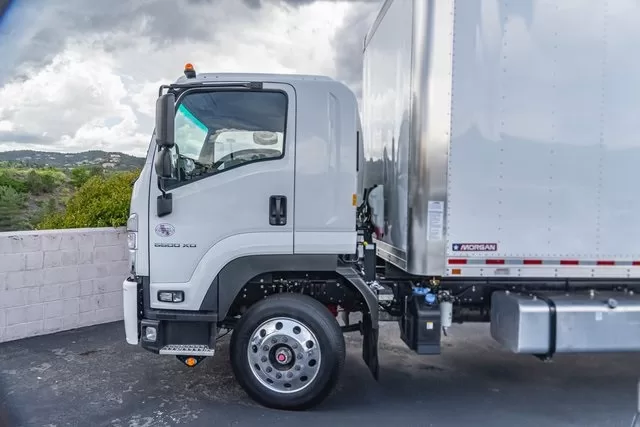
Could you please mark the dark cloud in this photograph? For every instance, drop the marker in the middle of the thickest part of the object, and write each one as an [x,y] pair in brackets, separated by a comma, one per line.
[24,138]
[41,33]
[256,4]
[348,43]
[4,5]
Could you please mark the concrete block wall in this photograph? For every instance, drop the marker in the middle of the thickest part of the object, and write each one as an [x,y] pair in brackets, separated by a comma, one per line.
[55,280]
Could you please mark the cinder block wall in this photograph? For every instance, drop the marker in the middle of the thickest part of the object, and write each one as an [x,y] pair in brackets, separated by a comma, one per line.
[55,280]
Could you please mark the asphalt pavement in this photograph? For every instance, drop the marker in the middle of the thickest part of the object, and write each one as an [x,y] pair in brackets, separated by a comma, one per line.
[92,377]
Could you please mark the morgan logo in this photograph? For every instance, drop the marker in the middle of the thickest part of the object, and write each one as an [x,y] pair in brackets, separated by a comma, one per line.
[165,230]
[475,247]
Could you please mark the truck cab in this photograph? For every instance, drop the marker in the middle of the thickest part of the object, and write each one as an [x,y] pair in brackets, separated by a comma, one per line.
[244,218]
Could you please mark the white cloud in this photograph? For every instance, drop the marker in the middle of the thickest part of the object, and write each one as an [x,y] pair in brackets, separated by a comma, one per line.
[98,89]
[71,103]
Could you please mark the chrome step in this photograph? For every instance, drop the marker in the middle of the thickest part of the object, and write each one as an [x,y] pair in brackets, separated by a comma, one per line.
[187,350]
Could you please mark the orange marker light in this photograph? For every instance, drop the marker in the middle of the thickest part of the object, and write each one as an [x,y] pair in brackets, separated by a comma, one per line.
[190,362]
[189,71]
[354,199]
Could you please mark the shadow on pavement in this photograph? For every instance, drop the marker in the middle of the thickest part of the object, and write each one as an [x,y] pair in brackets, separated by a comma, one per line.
[92,377]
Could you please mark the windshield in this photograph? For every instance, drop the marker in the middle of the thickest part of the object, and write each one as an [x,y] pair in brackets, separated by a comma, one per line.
[191,132]
[218,130]
[225,142]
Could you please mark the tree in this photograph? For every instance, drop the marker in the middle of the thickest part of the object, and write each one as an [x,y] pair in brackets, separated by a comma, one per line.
[11,209]
[7,180]
[100,202]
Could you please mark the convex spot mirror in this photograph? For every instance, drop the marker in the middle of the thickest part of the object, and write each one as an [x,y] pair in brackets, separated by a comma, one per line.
[164,163]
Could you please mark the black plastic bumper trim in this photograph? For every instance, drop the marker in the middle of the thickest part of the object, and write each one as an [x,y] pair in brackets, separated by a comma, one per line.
[180,315]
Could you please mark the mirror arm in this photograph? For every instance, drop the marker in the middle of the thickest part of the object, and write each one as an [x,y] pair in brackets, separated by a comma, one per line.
[161,186]
[161,183]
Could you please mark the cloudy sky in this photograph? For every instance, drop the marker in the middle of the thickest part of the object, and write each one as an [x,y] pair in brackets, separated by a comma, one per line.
[81,74]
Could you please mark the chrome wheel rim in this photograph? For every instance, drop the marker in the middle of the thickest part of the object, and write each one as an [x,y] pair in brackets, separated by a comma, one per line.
[284,355]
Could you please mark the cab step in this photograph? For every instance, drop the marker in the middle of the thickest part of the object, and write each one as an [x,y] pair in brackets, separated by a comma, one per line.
[187,350]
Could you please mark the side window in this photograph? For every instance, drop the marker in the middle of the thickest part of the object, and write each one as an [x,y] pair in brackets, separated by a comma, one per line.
[216,131]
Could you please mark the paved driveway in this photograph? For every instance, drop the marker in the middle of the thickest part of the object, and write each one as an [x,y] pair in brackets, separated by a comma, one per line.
[91,377]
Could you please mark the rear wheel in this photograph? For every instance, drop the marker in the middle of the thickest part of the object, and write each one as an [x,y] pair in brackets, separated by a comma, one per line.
[287,352]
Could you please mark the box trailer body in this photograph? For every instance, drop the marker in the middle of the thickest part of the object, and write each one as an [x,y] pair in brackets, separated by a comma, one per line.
[505,137]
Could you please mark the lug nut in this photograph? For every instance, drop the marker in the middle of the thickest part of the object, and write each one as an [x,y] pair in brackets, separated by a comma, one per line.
[265,348]
[294,345]
[269,369]
[273,340]
[278,375]
[285,339]
[264,358]
[299,356]
[290,374]
[298,367]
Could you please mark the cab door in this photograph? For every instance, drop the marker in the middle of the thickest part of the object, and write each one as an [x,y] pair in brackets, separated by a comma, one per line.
[233,189]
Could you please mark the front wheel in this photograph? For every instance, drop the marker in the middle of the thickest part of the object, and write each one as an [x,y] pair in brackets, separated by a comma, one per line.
[287,352]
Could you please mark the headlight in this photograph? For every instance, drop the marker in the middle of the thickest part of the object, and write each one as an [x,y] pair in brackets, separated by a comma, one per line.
[132,222]
[132,240]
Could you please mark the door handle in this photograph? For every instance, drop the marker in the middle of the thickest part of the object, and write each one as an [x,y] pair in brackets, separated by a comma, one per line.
[277,210]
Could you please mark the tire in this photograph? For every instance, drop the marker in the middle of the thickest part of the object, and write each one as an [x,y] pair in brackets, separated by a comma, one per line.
[282,326]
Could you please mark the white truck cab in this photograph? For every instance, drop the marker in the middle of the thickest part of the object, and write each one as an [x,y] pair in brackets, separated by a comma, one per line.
[250,189]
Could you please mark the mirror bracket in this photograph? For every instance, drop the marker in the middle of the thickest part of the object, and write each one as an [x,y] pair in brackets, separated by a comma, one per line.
[164,204]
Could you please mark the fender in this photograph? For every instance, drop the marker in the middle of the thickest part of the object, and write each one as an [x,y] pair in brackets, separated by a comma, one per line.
[352,276]
[235,275]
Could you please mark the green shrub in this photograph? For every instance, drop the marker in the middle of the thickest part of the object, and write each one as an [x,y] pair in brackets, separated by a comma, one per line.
[100,202]
[80,175]
[45,210]
[38,183]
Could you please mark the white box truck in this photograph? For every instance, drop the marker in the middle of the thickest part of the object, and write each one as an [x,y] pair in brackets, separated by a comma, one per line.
[493,179]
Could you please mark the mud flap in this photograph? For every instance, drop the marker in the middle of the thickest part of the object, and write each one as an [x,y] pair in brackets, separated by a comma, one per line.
[370,346]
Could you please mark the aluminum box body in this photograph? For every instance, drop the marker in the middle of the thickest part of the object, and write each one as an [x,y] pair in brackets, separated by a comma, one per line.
[605,322]
[504,133]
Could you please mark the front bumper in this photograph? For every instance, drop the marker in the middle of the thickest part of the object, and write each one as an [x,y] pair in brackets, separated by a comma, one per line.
[130,308]
[191,331]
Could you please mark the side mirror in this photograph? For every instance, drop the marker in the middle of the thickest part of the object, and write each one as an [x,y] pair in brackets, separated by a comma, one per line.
[165,113]
[164,163]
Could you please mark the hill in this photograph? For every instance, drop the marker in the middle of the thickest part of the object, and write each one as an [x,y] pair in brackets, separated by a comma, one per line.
[103,159]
